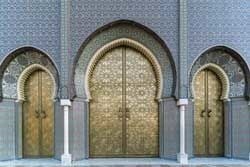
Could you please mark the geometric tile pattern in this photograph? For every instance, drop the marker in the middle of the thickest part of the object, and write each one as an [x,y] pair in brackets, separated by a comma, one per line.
[212,23]
[159,16]
[30,23]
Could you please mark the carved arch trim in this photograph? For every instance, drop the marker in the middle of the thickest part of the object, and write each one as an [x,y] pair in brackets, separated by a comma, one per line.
[25,75]
[131,43]
[222,76]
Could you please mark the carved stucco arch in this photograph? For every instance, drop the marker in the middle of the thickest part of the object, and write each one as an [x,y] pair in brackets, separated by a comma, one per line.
[25,75]
[133,44]
[222,76]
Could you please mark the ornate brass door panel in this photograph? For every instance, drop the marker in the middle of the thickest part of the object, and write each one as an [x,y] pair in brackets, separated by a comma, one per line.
[142,121]
[105,107]
[38,116]
[123,110]
[208,115]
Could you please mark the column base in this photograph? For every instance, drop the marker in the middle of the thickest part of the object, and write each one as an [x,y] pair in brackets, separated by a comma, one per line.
[66,159]
[182,158]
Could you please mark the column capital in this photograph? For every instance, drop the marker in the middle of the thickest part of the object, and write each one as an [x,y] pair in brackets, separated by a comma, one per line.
[65,102]
[182,102]
[19,101]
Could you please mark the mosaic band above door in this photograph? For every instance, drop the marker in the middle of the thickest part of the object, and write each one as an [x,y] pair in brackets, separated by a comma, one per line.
[208,115]
[123,111]
[38,116]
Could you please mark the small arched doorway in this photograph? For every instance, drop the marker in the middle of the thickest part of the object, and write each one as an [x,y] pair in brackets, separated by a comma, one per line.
[38,115]
[208,114]
[124,119]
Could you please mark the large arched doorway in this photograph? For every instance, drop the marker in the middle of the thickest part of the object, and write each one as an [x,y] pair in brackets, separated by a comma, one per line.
[38,115]
[208,114]
[123,111]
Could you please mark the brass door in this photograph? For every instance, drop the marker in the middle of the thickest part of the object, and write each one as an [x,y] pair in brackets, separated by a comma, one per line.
[38,116]
[123,110]
[208,115]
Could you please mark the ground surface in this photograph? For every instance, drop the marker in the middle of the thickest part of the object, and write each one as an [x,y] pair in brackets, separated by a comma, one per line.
[132,162]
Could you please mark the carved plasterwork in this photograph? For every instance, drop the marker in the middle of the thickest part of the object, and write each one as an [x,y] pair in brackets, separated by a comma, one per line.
[25,75]
[221,74]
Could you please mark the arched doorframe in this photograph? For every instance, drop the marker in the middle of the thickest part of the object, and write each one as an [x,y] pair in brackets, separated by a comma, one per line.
[21,98]
[25,75]
[221,74]
[225,83]
[126,42]
[116,43]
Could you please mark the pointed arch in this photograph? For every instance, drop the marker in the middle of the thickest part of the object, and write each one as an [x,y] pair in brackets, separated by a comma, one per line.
[113,31]
[217,55]
[18,60]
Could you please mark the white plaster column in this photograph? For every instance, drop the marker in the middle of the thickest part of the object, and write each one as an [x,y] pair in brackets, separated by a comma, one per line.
[66,157]
[182,157]
[249,111]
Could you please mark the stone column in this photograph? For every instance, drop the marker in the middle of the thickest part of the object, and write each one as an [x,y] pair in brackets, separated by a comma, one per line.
[66,157]
[182,157]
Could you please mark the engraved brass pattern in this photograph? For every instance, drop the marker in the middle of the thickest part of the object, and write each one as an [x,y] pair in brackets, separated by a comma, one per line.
[208,115]
[123,110]
[38,116]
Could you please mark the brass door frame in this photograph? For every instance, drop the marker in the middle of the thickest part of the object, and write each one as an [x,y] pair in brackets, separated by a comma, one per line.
[124,111]
[124,129]
[206,113]
[41,114]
